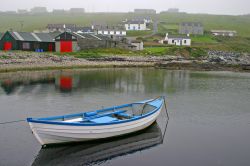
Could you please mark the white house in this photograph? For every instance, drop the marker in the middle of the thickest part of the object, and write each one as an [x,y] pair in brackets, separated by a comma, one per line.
[224,33]
[110,31]
[178,40]
[135,25]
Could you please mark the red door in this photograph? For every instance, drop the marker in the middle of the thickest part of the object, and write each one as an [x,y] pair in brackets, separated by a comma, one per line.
[66,46]
[50,49]
[7,46]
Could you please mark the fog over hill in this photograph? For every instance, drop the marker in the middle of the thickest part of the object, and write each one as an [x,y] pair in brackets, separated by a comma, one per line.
[232,7]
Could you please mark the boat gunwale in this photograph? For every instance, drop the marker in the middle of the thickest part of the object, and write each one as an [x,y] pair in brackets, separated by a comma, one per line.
[46,120]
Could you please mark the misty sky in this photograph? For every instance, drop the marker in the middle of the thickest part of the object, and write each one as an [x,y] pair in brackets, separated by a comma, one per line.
[233,7]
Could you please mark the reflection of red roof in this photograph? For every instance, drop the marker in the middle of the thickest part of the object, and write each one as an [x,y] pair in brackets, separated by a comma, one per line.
[7,82]
[66,82]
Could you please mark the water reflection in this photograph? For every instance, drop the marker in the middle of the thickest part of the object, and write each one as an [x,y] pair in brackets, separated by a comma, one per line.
[100,152]
[126,80]
[118,80]
[67,82]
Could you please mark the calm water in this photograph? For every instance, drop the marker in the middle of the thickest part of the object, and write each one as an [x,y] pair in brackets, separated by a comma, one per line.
[209,117]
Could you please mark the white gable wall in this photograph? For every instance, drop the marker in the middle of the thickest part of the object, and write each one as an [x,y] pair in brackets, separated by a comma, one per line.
[136,27]
[179,42]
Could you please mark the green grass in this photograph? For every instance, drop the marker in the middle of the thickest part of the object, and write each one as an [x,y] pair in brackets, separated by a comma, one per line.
[155,50]
[203,39]
[138,33]
[169,21]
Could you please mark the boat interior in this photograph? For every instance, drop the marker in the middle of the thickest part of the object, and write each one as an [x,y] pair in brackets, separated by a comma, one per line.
[108,115]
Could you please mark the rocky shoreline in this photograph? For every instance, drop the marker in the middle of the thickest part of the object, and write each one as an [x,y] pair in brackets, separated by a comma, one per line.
[216,60]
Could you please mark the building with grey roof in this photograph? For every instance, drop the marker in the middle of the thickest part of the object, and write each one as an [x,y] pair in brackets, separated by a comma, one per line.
[27,41]
[77,10]
[178,40]
[111,31]
[38,10]
[195,28]
[145,11]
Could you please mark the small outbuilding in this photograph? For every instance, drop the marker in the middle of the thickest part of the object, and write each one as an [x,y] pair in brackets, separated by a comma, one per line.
[138,45]
[66,42]
[229,33]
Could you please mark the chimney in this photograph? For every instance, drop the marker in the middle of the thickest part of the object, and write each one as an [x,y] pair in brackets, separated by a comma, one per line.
[166,38]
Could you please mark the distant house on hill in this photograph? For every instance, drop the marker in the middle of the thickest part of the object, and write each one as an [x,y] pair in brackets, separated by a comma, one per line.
[178,40]
[135,25]
[195,28]
[22,11]
[146,19]
[77,10]
[58,11]
[224,33]
[38,10]
[173,10]
[145,11]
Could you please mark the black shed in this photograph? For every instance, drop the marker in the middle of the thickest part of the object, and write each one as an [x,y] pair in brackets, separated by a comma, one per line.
[27,41]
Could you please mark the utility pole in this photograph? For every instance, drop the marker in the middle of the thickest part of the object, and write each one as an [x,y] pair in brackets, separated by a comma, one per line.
[21,24]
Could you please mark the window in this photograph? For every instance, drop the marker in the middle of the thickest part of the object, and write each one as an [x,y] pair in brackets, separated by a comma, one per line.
[185,41]
[26,46]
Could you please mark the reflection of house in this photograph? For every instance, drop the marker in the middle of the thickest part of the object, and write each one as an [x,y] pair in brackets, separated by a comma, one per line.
[195,28]
[178,40]
[145,11]
[224,33]
[27,41]
[67,82]
[135,25]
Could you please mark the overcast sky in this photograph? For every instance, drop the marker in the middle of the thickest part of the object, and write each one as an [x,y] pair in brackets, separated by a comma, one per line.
[232,7]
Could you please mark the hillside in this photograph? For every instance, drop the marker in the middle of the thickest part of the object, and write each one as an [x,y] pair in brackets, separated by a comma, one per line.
[168,21]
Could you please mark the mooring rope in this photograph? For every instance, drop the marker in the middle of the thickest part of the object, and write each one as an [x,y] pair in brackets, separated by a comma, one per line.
[9,122]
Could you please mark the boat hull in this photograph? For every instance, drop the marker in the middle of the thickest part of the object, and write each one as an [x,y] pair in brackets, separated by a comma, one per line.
[54,134]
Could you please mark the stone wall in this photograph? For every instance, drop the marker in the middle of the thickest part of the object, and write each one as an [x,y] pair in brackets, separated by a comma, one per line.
[89,43]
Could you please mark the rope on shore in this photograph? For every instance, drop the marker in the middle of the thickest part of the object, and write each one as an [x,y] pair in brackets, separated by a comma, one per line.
[9,122]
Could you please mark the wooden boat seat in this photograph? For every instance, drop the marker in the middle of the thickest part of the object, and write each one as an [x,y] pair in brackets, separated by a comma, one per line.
[104,119]
[74,120]
[124,115]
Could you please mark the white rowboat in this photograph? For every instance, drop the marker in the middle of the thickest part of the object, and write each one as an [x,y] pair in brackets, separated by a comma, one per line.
[99,124]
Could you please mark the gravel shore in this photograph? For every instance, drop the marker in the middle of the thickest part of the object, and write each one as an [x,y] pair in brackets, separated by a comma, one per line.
[15,61]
